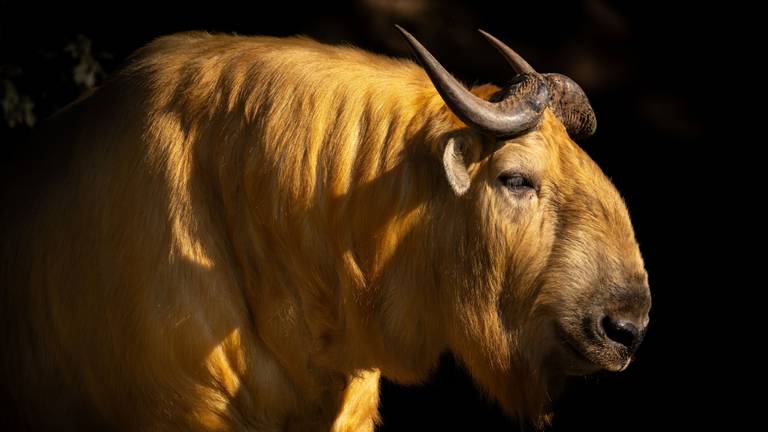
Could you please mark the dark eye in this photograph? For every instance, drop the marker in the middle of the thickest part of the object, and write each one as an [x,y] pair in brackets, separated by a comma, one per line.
[516,182]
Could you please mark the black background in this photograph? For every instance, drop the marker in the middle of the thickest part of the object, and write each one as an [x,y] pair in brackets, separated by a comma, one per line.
[648,68]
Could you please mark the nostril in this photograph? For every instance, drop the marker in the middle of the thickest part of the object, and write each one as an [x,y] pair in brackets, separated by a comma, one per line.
[622,331]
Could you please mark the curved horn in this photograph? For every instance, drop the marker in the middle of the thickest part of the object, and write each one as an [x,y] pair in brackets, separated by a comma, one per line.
[517,112]
[518,63]
[568,102]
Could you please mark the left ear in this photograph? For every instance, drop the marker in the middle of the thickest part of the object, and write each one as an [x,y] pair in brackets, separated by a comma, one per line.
[458,154]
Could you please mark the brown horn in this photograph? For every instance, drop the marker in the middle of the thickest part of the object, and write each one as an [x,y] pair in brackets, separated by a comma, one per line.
[568,100]
[518,111]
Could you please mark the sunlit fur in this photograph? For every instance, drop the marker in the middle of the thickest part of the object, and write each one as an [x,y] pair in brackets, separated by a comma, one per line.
[244,232]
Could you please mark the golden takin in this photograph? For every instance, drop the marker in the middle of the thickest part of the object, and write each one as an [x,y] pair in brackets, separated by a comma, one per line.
[246,233]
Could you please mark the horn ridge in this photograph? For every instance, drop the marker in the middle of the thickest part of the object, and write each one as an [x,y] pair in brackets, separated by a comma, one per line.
[568,101]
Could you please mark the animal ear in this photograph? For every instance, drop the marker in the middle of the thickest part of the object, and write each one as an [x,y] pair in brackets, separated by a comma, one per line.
[456,156]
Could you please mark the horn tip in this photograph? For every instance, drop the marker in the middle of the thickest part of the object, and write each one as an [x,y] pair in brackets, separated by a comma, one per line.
[487,35]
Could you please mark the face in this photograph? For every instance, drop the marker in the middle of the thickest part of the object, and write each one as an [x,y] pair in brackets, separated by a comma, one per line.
[545,276]
[563,277]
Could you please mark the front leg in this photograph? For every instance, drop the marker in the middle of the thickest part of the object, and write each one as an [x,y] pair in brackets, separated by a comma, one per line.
[360,404]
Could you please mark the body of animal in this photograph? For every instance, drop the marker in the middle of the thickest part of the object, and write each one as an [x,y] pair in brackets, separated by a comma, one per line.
[245,233]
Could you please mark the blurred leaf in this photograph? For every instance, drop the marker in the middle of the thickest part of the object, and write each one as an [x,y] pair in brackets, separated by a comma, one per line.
[17,109]
[88,71]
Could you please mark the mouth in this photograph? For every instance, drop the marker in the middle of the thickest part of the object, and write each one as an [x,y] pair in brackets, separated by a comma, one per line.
[591,355]
[574,360]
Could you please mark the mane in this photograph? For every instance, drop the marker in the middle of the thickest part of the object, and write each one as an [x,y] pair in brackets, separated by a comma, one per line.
[324,163]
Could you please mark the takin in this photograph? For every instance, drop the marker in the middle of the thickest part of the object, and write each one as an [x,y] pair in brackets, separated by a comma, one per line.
[246,233]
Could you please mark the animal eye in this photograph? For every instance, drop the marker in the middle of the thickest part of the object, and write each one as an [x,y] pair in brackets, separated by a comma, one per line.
[515,182]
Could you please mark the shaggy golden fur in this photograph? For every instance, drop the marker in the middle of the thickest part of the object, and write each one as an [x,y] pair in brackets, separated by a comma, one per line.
[243,233]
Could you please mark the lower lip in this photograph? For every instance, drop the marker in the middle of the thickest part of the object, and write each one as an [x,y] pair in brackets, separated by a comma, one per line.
[578,355]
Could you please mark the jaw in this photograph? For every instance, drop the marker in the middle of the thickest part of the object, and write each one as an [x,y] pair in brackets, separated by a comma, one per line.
[530,383]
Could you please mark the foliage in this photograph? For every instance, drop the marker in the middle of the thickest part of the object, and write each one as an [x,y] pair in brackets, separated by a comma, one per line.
[69,70]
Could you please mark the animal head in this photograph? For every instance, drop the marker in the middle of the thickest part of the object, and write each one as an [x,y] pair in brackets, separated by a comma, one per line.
[549,280]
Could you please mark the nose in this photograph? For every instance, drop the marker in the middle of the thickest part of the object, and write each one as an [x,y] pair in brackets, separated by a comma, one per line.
[623,331]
